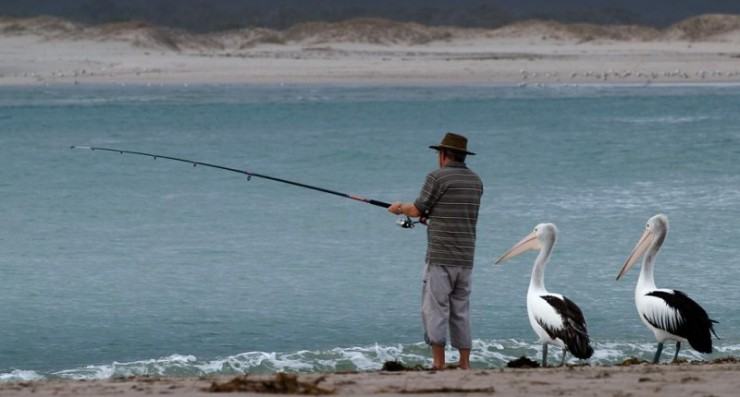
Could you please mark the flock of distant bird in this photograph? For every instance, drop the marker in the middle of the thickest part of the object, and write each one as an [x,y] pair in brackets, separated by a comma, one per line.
[631,74]
[670,314]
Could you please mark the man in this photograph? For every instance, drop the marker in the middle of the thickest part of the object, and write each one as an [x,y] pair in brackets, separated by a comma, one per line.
[449,201]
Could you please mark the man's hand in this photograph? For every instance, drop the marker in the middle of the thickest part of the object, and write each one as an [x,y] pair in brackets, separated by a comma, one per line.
[396,208]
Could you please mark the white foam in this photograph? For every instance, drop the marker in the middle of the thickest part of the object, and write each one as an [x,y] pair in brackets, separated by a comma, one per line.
[18,375]
[175,364]
[729,349]
[485,354]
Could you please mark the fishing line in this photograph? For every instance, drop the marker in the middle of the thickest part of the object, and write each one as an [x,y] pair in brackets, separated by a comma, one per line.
[406,223]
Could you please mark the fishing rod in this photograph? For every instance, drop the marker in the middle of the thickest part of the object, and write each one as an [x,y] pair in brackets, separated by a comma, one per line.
[406,223]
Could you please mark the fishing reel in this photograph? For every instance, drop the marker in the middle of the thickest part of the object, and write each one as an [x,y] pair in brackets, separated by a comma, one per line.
[408,223]
[405,222]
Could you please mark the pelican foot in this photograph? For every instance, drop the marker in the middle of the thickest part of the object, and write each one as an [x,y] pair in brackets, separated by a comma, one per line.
[675,356]
[544,355]
[656,359]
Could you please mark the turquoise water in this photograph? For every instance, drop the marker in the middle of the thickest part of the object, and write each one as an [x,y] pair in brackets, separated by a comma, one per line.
[115,265]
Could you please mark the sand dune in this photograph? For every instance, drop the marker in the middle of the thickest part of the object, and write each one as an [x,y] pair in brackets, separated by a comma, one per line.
[714,27]
[139,34]
[706,28]
[549,30]
[371,31]
[48,27]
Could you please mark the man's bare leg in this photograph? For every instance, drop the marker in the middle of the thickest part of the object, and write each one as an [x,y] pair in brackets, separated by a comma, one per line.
[438,355]
[464,359]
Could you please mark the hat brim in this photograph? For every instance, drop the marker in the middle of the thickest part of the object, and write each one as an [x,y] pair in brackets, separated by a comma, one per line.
[454,149]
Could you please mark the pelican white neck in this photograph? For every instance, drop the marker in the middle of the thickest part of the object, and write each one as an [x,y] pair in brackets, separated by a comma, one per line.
[542,239]
[647,247]
[547,235]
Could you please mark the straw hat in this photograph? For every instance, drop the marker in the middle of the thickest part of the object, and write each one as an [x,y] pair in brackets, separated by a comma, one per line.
[455,142]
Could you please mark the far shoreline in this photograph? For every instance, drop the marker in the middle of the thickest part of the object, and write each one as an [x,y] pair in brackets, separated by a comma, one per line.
[361,84]
[532,55]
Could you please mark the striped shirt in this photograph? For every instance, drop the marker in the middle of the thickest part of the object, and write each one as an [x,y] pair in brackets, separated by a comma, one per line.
[450,199]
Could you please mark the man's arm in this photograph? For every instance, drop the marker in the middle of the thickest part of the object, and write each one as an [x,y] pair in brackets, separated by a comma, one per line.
[427,198]
[408,209]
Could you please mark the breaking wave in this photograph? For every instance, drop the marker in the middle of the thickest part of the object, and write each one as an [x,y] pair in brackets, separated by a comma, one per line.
[663,120]
[485,354]
[20,375]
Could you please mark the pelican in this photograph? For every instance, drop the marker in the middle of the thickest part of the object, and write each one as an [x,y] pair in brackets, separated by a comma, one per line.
[669,313]
[553,317]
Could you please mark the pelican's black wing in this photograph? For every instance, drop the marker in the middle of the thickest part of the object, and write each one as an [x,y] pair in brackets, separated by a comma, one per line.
[573,332]
[688,320]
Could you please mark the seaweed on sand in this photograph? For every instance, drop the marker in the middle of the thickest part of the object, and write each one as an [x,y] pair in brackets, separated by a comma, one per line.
[631,361]
[396,366]
[281,384]
[725,360]
[486,390]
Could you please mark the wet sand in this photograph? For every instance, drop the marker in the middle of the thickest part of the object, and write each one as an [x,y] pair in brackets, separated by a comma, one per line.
[636,380]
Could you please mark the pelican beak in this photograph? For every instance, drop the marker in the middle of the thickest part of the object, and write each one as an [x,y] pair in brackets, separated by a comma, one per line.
[637,252]
[528,243]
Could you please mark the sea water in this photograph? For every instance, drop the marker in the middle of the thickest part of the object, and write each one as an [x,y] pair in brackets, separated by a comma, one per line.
[114,265]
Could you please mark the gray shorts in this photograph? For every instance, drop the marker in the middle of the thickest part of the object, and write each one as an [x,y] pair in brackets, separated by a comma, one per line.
[445,303]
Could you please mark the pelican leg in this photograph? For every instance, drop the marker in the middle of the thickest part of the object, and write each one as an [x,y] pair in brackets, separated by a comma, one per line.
[678,347]
[544,355]
[657,353]
[562,362]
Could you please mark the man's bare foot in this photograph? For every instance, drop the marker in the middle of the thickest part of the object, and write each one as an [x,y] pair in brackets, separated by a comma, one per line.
[464,359]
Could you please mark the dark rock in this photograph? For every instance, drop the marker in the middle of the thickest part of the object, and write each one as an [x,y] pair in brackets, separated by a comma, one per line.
[394,366]
[522,362]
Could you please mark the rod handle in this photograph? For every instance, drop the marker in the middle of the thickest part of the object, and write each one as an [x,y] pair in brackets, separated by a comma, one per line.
[378,203]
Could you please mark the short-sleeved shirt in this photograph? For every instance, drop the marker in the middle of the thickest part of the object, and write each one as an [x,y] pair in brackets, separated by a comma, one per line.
[450,199]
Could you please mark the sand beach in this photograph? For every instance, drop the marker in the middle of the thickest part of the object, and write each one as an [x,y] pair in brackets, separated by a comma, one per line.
[636,380]
[45,50]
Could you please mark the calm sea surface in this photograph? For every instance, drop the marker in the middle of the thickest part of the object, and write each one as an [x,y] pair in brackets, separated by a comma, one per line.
[116,265]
